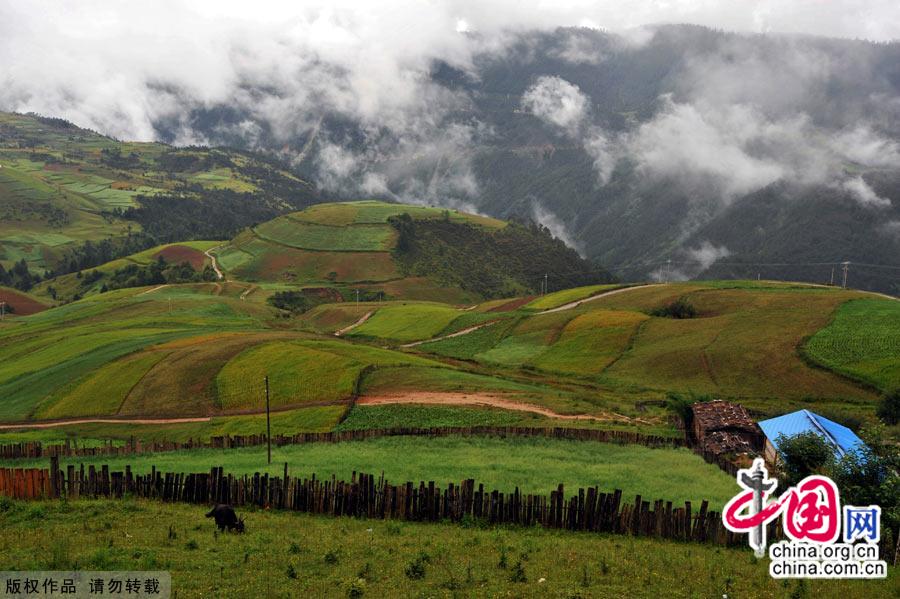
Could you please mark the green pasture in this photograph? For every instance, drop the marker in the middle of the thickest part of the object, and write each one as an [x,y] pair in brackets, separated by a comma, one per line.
[308,419]
[297,554]
[534,465]
[297,374]
[425,416]
[862,342]
[566,296]
[307,236]
[407,321]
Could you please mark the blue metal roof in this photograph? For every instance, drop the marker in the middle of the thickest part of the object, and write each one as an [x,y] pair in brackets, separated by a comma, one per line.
[841,438]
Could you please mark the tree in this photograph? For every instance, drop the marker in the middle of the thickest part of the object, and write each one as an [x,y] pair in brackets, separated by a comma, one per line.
[889,407]
[869,476]
[804,454]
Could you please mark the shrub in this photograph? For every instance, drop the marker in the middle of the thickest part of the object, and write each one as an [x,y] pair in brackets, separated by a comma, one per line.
[518,573]
[889,407]
[680,308]
[415,570]
[804,454]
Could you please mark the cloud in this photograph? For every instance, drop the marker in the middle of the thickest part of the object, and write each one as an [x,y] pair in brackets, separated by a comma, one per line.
[557,102]
[556,226]
[891,229]
[578,48]
[728,150]
[603,151]
[864,194]
[707,254]
[706,145]
[696,261]
[732,125]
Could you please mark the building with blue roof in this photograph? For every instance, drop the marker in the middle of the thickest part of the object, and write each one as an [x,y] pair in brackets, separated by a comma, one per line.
[841,439]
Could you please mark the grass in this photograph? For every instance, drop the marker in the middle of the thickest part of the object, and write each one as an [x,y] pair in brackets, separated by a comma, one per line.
[298,234]
[407,321]
[308,419]
[390,416]
[472,344]
[297,374]
[294,554]
[862,342]
[102,391]
[328,318]
[560,298]
[439,379]
[591,342]
[535,465]
[738,333]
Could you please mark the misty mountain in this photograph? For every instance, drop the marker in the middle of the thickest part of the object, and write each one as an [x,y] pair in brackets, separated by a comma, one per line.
[670,150]
[743,154]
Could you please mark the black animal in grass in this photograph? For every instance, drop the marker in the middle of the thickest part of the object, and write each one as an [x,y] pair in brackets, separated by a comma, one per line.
[226,519]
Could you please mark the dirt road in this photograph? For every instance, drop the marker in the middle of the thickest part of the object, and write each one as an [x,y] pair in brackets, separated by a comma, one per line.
[476,399]
[364,318]
[55,423]
[214,263]
[452,335]
[575,304]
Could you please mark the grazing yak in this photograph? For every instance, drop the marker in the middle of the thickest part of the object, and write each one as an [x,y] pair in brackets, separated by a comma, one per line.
[226,519]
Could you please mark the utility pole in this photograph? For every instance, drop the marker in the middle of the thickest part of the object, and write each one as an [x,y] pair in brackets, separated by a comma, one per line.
[268,422]
[357,296]
[545,284]
[846,266]
[668,268]
[832,277]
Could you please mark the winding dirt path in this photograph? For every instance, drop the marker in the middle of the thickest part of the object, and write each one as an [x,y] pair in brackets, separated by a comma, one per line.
[577,303]
[215,264]
[477,399]
[452,335]
[55,423]
[248,291]
[364,318]
[157,288]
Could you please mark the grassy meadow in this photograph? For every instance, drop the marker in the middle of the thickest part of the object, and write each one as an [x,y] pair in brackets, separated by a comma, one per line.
[861,342]
[534,465]
[290,554]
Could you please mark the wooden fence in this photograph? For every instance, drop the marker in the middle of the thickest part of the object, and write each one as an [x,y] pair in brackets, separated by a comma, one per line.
[34,449]
[367,496]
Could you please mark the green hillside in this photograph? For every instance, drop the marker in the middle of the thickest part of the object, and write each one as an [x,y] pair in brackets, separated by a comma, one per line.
[402,251]
[62,186]
[204,349]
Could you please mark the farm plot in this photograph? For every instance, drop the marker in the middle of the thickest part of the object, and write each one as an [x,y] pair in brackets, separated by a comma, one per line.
[302,235]
[561,298]
[591,342]
[862,342]
[744,345]
[407,321]
[297,374]
[380,212]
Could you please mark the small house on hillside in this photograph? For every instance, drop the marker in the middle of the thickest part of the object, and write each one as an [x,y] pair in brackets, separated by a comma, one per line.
[722,427]
[841,439]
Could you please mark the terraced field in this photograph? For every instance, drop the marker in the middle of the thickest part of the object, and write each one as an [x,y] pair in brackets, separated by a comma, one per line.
[61,186]
[862,342]
[346,243]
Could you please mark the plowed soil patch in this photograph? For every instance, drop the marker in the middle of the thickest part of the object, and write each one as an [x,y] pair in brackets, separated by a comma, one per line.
[22,305]
[176,254]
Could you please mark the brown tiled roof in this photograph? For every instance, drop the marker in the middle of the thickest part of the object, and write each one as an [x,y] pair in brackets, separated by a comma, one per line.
[717,415]
[719,442]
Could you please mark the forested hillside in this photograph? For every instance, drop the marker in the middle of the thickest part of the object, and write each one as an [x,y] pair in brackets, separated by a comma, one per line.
[72,199]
